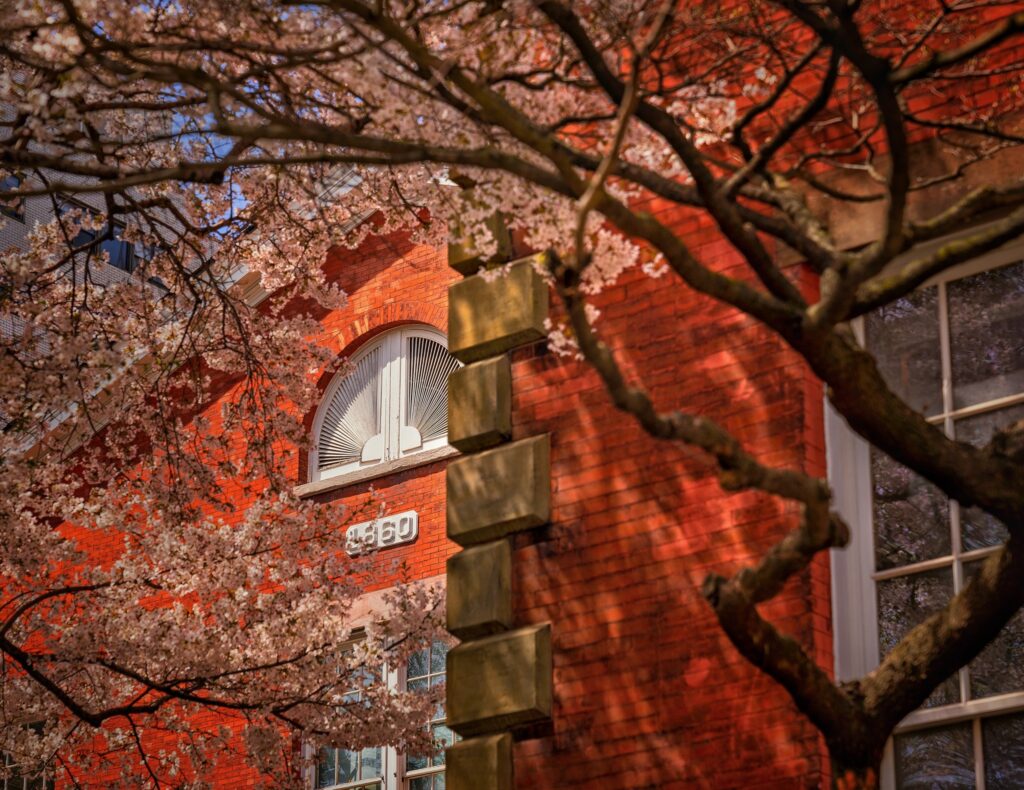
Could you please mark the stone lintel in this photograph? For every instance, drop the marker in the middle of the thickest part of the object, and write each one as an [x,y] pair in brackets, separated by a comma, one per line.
[480,764]
[500,491]
[480,405]
[490,315]
[501,682]
[480,590]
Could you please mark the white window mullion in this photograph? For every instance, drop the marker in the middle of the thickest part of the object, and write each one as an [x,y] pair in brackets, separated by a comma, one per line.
[979,755]
[391,397]
[393,676]
[888,773]
[946,355]
[409,438]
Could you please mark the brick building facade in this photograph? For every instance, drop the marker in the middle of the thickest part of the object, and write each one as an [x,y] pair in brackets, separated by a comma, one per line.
[588,655]
[646,690]
[643,689]
[575,544]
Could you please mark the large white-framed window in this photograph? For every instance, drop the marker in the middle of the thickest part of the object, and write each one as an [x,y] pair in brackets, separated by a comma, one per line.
[426,669]
[379,768]
[390,402]
[362,769]
[954,349]
[14,776]
[13,779]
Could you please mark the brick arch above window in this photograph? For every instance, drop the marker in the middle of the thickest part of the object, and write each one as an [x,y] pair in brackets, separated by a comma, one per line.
[348,334]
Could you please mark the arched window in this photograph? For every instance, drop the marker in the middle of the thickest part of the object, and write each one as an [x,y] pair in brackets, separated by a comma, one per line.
[390,402]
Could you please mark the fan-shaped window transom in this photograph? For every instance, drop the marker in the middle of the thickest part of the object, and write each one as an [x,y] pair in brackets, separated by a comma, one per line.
[390,401]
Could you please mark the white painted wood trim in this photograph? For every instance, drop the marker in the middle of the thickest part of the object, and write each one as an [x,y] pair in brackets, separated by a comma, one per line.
[373,472]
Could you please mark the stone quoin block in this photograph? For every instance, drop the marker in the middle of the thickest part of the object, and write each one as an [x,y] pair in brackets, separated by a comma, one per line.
[500,491]
[480,764]
[501,682]
[480,405]
[488,316]
[465,259]
[479,597]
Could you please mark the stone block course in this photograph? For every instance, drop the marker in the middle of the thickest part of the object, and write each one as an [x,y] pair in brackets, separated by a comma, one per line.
[480,405]
[500,491]
[500,682]
[480,764]
[489,315]
[479,594]
[464,259]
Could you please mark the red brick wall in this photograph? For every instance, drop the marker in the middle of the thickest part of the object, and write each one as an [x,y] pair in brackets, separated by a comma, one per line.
[648,691]
[390,282]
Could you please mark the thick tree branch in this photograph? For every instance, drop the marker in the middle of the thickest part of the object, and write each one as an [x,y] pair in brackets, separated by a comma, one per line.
[885,289]
[717,202]
[943,59]
[947,640]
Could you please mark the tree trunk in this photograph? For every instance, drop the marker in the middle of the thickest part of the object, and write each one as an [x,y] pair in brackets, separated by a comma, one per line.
[860,778]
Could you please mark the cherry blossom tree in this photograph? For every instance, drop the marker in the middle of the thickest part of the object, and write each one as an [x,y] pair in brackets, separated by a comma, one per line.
[219,132]
[156,563]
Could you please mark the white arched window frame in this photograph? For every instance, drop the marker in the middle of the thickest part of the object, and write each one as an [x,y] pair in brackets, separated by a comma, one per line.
[389,403]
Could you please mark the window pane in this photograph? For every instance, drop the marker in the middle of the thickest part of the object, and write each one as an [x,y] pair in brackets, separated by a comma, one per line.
[348,765]
[120,252]
[980,429]
[420,783]
[940,758]
[82,238]
[1003,740]
[977,528]
[904,336]
[438,653]
[372,763]
[417,685]
[911,516]
[340,766]
[999,668]
[907,601]
[986,325]
[427,668]
[415,762]
[325,767]
[444,738]
[417,666]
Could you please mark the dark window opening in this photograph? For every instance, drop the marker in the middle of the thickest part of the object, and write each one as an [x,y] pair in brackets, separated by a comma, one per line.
[12,207]
[121,254]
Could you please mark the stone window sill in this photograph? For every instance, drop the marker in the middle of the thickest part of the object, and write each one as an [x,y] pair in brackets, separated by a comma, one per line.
[373,472]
